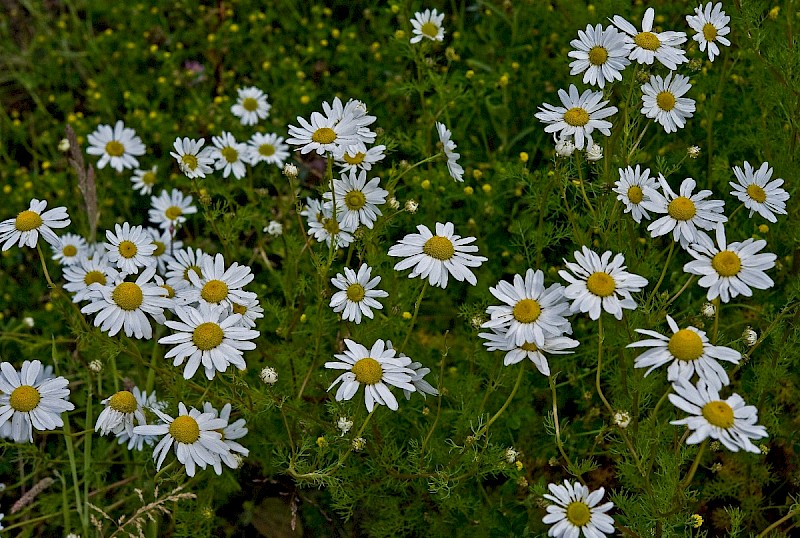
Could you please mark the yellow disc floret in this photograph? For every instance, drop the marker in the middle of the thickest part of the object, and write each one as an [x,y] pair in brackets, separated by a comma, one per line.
[601,284]
[439,247]
[757,193]
[184,429]
[173,212]
[190,161]
[709,31]
[358,158]
[229,154]
[718,413]
[368,371]
[267,150]
[128,249]
[207,336]
[726,263]
[356,293]
[576,116]
[94,276]
[69,250]
[124,401]
[250,104]
[647,40]
[324,135]
[635,194]
[665,101]
[526,311]
[115,149]
[685,345]
[429,29]
[578,513]
[28,220]
[355,200]
[598,55]
[214,291]
[128,296]
[24,398]
[682,208]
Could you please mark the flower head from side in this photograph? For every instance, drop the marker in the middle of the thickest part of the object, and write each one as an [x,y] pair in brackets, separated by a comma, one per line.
[633,188]
[146,403]
[448,146]
[165,246]
[759,194]
[662,100]
[600,54]
[324,226]
[130,248]
[579,116]
[144,180]
[25,228]
[251,105]
[250,310]
[70,249]
[121,410]
[576,510]
[194,160]
[169,209]
[711,24]
[229,155]
[417,378]
[185,261]
[359,160]
[267,148]
[428,25]
[646,46]
[357,295]
[117,147]
[231,432]
[498,340]
[357,199]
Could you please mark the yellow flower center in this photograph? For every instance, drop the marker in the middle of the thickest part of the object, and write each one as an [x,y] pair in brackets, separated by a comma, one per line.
[214,291]
[601,284]
[685,345]
[184,429]
[598,55]
[124,402]
[356,292]
[250,104]
[578,513]
[94,276]
[438,247]
[173,212]
[726,263]
[368,371]
[331,226]
[239,309]
[665,101]
[635,194]
[69,251]
[207,336]
[127,249]
[128,296]
[718,413]
[429,29]
[229,154]
[194,268]
[526,311]
[647,40]
[324,135]
[115,149]
[358,158]
[24,398]
[170,290]
[189,160]
[160,248]
[355,200]
[148,178]
[709,31]
[681,208]
[576,116]
[267,150]
[757,193]
[529,346]
[28,220]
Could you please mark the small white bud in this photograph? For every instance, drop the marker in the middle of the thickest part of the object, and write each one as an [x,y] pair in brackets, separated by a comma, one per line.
[511,455]
[96,366]
[393,203]
[344,424]
[595,153]
[750,337]
[359,443]
[28,322]
[274,228]
[708,310]
[693,151]
[269,375]
[622,419]
[290,170]
[238,459]
[411,206]
[63,145]
[565,148]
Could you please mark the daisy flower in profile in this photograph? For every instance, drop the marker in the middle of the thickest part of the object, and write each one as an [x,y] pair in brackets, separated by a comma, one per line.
[196,436]
[575,511]
[436,256]
[267,148]
[688,352]
[600,54]
[684,213]
[324,226]
[30,400]
[216,285]
[165,246]
[758,193]
[597,283]
[498,340]
[455,169]
[579,117]
[662,100]
[645,46]
[26,227]
[231,432]
[359,160]
[169,209]
[357,293]
[193,160]
[134,440]
[70,249]
[250,310]
[356,111]
[118,146]
[209,336]
[130,248]
[143,180]
[329,133]
[357,200]
[711,25]
[632,189]
[121,410]
[730,269]
[87,271]
[427,24]
[185,261]
[531,312]
[230,155]
[730,421]
[375,369]
[251,105]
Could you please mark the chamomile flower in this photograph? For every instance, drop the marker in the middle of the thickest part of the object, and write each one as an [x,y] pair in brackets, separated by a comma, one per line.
[122,408]
[324,226]
[421,386]
[143,180]
[328,133]
[165,246]
[230,155]
[87,271]
[455,169]
[70,249]
[577,511]
[436,256]
[134,440]
[730,269]
[267,148]
[193,160]
[117,147]
[169,209]
[662,100]
[684,213]
[600,55]
[251,105]
[688,352]
[597,283]
[632,190]
[356,199]
[28,224]
[374,369]
[357,293]
[29,400]
[185,261]
[359,160]
[231,432]
[250,310]
[130,248]
[758,193]
[427,24]
[356,111]
[729,421]
[645,46]
[711,24]
[216,285]
[498,340]
[579,117]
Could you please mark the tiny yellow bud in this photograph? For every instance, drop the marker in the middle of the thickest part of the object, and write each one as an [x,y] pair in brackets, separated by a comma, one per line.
[763,228]
[48,307]
[395,8]
[515,66]
[406,315]
[304,99]
[773,13]
[519,465]
[487,188]
[477,174]
[523,156]
[470,73]
[303,318]
[234,28]
[399,34]
[426,184]
[468,190]
[218,100]
[503,82]
[266,65]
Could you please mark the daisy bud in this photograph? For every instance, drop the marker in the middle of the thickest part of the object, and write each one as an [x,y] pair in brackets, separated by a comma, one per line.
[511,455]
[750,337]
[708,310]
[764,449]
[290,170]
[269,375]
[696,521]
[359,443]
[96,366]
[344,424]
[622,419]
[595,153]
[693,151]
[28,322]
[715,446]
[522,482]
[565,148]
[63,145]
[717,467]
[274,228]
[239,460]
[393,203]
[411,206]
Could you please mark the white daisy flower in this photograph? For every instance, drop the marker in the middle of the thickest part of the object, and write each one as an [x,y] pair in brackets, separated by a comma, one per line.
[730,269]
[711,25]
[684,213]
[360,160]
[597,284]
[357,111]
[197,441]
[436,256]
[193,160]
[26,227]
[530,313]
[231,432]
[632,190]
[579,117]
[143,180]
[165,246]
[662,100]
[357,200]
[357,293]
[325,227]
[688,351]
[130,248]
[251,105]
[87,271]
[185,261]
[594,153]
[498,340]
[169,209]
[455,169]
[375,369]
[758,193]
[576,511]
[600,55]
[70,249]
[250,310]
[730,421]
[427,24]
[31,400]
[267,148]
[134,440]
[330,133]
[119,414]
[230,155]
[647,45]
[124,305]
[118,146]
[216,285]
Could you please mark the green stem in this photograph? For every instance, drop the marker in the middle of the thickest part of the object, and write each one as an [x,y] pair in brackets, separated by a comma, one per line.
[74,469]
[559,444]
[491,421]
[693,469]
[769,529]
[414,319]
[664,270]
